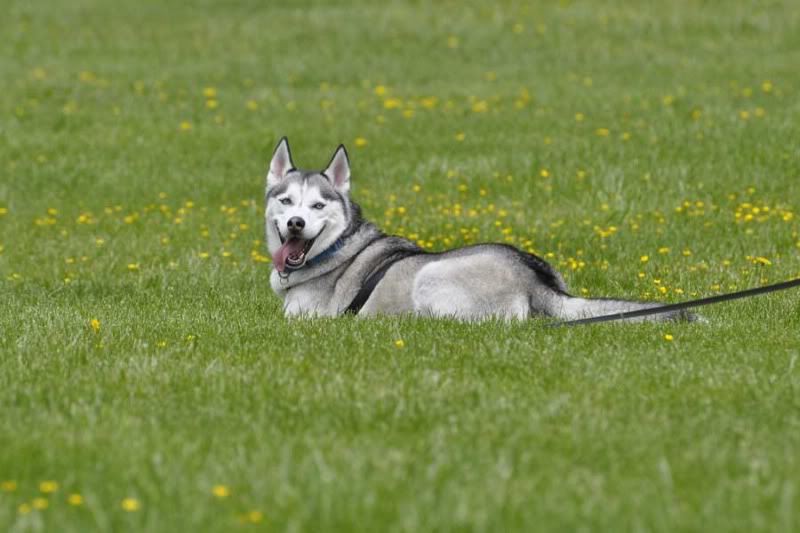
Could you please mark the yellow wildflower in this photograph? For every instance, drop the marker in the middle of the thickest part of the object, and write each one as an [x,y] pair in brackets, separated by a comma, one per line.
[399,343]
[75,499]
[48,486]
[220,491]
[40,503]
[130,504]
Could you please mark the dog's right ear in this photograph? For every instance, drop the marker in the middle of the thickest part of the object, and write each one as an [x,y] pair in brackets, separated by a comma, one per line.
[281,163]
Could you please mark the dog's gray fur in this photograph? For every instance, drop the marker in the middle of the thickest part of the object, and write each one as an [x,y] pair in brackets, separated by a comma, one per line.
[471,283]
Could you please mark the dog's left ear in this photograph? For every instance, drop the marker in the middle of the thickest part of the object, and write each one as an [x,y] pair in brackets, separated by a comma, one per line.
[338,170]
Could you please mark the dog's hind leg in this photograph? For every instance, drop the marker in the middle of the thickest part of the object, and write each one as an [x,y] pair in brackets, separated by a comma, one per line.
[451,289]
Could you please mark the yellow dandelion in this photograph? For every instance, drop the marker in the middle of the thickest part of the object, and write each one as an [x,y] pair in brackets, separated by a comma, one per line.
[212,104]
[48,487]
[762,261]
[130,505]
[602,132]
[210,92]
[220,491]
[544,173]
[24,508]
[252,105]
[460,136]
[380,90]
[255,517]
[133,267]
[481,106]
[360,142]
[579,117]
[767,86]
[203,255]
[95,325]
[644,258]
[663,250]
[399,343]
[75,499]
[392,103]
[40,503]
[8,486]
[185,125]
[668,337]
[3,211]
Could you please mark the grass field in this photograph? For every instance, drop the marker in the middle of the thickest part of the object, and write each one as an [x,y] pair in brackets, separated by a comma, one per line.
[149,382]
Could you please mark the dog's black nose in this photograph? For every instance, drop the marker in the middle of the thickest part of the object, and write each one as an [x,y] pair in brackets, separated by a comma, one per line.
[296,224]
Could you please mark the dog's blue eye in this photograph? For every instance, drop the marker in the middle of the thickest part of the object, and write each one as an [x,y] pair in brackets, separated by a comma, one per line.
[286,201]
[318,205]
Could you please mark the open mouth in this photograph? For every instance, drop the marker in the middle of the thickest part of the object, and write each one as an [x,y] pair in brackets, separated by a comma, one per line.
[298,248]
[292,252]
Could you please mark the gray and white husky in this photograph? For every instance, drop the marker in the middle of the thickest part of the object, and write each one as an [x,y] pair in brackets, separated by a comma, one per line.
[329,261]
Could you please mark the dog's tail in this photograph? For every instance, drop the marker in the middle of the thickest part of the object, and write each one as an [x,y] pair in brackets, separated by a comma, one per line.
[574,308]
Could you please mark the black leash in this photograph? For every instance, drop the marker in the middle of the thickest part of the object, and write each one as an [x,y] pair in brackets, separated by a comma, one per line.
[373,280]
[681,306]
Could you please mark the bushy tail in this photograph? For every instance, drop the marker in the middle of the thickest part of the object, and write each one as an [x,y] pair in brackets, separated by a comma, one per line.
[572,308]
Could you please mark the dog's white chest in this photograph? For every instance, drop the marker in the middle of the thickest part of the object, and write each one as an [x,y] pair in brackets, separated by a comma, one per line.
[307,299]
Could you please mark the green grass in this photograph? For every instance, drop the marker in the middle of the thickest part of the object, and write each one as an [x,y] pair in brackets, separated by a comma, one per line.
[593,133]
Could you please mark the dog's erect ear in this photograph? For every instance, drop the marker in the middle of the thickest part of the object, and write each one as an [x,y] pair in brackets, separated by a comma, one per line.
[281,163]
[338,170]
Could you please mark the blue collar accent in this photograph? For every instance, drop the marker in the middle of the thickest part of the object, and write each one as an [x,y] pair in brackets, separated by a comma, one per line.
[332,249]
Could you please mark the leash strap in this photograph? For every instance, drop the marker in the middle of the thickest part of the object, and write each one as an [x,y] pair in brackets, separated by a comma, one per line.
[373,280]
[683,305]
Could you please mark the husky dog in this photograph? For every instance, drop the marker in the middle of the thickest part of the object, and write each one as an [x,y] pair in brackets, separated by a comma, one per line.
[329,261]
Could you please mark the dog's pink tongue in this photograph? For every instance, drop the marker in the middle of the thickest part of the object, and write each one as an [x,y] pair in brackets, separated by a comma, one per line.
[290,247]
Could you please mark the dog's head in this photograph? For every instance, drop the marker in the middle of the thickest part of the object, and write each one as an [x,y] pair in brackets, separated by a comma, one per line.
[306,211]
